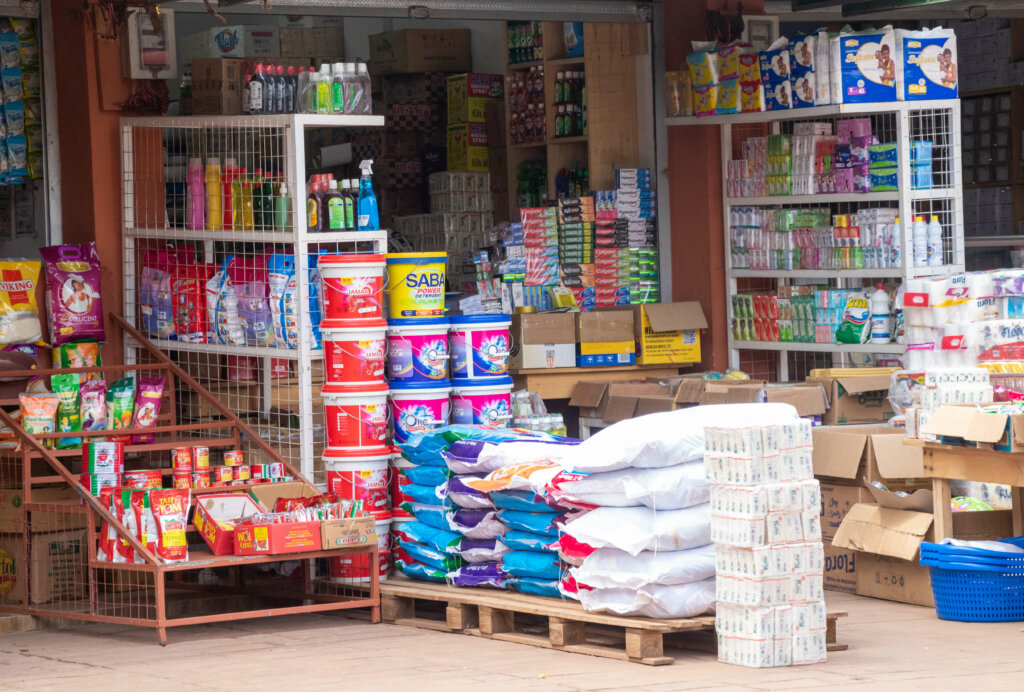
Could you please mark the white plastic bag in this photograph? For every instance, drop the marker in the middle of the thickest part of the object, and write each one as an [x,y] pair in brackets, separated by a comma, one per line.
[666,439]
[654,601]
[609,568]
[494,456]
[635,529]
[672,487]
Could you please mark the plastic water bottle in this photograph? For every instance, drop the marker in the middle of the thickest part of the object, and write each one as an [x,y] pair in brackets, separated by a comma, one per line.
[880,316]
[920,236]
[934,243]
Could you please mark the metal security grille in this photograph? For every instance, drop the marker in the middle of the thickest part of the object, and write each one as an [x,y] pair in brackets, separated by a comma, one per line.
[221,266]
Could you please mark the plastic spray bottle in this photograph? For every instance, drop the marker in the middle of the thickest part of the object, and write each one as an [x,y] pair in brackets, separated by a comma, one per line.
[368,217]
[934,242]
[195,212]
[880,316]
[214,196]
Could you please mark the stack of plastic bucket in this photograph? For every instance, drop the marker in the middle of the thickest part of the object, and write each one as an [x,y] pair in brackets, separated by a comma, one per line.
[417,348]
[355,397]
[481,385]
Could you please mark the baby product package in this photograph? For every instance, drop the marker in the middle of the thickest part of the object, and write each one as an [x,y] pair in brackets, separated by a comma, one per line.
[73,292]
[926,64]
[703,66]
[774,64]
[864,66]
[804,90]
[778,96]
[823,68]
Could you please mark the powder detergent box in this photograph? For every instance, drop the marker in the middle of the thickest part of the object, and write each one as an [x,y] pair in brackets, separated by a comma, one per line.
[864,67]
[927,64]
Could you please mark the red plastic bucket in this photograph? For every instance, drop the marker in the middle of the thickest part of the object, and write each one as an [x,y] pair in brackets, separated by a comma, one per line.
[355,416]
[353,286]
[354,351]
[360,474]
[356,568]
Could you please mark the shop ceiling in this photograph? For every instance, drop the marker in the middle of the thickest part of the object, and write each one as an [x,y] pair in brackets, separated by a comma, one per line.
[580,10]
[831,10]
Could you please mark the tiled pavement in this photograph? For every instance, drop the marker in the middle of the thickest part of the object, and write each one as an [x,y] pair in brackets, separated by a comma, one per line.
[892,647]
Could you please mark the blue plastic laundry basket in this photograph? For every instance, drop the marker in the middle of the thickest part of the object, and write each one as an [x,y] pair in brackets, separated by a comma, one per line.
[976,585]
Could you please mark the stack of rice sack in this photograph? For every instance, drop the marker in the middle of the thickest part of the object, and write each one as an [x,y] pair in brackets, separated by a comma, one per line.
[456,533]
[518,488]
[644,547]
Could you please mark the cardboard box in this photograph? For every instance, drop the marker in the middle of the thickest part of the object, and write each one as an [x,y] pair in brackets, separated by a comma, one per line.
[808,400]
[856,399]
[889,542]
[836,502]
[12,510]
[606,337]
[266,496]
[216,90]
[469,95]
[868,453]
[669,332]
[275,539]
[467,148]
[978,427]
[58,570]
[421,50]
[543,340]
[237,41]
[615,401]
[841,568]
[348,533]
[212,514]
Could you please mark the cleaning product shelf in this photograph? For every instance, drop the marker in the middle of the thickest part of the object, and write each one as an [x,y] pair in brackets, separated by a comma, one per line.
[225,349]
[821,348]
[257,236]
[843,273]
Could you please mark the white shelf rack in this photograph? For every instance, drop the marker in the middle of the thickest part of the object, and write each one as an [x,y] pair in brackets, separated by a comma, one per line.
[155,154]
[902,122]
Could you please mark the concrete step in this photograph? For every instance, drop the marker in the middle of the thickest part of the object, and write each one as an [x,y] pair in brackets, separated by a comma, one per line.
[10,623]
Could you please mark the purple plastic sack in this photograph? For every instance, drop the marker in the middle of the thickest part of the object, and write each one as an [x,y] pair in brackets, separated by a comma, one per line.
[468,498]
[73,292]
[481,550]
[479,574]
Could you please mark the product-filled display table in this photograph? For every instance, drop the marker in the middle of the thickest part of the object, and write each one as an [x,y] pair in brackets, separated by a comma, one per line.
[558,383]
[943,463]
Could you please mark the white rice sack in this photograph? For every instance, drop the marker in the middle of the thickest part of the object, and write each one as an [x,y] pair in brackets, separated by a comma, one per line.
[654,601]
[609,568]
[672,487]
[666,439]
[635,529]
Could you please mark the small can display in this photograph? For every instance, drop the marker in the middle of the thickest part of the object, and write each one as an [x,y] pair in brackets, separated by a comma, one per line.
[200,458]
[181,459]
[200,479]
[222,474]
[182,481]
[233,457]
[242,473]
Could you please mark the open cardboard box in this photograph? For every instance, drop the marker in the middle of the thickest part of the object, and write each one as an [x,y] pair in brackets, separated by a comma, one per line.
[869,453]
[543,340]
[890,540]
[606,337]
[807,399]
[615,401]
[668,333]
[212,514]
[334,533]
[856,399]
[977,427]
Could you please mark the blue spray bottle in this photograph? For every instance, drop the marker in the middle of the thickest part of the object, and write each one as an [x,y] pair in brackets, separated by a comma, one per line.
[369,219]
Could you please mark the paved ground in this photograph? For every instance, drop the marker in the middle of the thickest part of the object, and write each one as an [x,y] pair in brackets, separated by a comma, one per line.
[892,647]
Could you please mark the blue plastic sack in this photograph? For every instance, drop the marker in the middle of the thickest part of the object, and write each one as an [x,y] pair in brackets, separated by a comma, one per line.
[531,564]
[461,495]
[417,570]
[426,475]
[472,523]
[535,587]
[526,540]
[429,556]
[425,494]
[439,539]
[534,522]
[521,501]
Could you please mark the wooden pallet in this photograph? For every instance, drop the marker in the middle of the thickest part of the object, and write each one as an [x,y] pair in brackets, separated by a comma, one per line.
[548,622]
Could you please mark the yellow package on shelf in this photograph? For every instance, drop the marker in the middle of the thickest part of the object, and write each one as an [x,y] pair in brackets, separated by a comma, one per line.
[851,372]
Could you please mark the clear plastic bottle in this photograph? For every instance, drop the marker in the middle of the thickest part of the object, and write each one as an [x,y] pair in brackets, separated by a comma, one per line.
[255,96]
[335,205]
[339,87]
[282,209]
[304,91]
[323,89]
[896,249]
[280,90]
[351,201]
[290,84]
[934,243]
[363,73]
[354,93]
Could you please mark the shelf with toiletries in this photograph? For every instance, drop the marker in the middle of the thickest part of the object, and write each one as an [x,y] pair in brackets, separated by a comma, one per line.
[899,215]
[221,250]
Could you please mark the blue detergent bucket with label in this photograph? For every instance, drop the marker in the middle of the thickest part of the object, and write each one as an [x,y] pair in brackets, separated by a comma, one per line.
[418,350]
[482,401]
[480,346]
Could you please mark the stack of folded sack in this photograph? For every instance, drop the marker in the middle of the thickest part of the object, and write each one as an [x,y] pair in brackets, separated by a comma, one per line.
[644,545]
[455,536]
